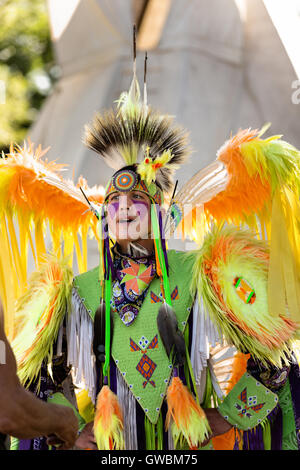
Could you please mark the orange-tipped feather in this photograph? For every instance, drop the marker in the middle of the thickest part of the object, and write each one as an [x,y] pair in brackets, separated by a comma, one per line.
[244,193]
[189,420]
[108,423]
[35,186]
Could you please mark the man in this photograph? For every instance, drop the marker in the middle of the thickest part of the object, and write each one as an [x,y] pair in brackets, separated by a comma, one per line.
[22,415]
[142,321]
[129,223]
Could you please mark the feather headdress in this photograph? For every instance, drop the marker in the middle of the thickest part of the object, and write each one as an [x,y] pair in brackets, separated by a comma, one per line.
[132,139]
[135,134]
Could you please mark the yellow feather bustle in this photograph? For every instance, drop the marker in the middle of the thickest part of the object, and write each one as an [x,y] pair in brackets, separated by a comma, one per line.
[33,198]
[39,316]
[108,422]
[189,419]
[263,192]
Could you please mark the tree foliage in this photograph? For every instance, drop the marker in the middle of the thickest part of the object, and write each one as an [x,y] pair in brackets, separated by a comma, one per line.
[27,66]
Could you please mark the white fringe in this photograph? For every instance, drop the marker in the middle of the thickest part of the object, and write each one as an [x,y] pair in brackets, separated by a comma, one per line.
[170,440]
[205,335]
[80,339]
[127,399]
[60,340]
[128,402]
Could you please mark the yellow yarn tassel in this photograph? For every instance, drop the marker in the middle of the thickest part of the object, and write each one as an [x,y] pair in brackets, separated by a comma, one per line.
[108,423]
[189,419]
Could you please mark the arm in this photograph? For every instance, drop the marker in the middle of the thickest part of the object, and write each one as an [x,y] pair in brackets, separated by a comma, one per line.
[23,415]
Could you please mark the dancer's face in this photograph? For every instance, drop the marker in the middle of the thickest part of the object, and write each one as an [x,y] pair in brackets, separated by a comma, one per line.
[128,216]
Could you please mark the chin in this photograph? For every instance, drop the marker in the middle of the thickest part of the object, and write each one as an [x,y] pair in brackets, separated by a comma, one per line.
[132,232]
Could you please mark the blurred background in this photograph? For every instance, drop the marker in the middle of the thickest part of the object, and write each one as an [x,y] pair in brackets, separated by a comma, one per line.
[216,65]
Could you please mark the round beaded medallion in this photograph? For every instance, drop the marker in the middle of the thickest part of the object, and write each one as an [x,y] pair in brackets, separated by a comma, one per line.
[125,181]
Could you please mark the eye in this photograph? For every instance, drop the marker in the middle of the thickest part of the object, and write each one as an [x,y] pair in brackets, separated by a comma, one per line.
[138,196]
[114,197]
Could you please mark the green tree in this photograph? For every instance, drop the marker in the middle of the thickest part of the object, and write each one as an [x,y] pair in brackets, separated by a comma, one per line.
[27,66]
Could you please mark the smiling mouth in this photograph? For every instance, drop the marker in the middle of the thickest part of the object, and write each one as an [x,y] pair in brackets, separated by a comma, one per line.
[126,220]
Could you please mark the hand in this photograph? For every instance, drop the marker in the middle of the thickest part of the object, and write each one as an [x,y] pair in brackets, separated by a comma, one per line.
[66,436]
[217,423]
[53,440]
[86,440]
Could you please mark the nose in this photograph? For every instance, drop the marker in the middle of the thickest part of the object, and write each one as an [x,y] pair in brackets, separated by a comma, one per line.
[124,203]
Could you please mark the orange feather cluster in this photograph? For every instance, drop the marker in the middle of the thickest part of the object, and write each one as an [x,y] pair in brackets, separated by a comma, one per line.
[108,422]
[30,192]
[189,418]
[239,367]
[245,194]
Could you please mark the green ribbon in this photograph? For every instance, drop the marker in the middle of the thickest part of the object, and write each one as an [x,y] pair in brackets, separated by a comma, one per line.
[157,241]
[107,324]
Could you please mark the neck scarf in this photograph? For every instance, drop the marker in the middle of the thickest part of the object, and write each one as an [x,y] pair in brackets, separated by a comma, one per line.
[129,288]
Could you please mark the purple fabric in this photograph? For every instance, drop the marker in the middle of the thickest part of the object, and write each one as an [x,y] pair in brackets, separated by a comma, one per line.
[236,441]
[269,376]
[25,444]
[245,441]
[104,237]
[294,379]
[276,431]
[113,377]
[236,445]
[259,437]
[253,439]
[47,387]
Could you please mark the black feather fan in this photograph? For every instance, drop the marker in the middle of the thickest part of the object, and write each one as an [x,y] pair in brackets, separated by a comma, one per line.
[170,334]
[121,140]
[99,332]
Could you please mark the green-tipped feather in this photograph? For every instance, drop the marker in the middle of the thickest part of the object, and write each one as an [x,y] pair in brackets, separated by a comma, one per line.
[275,160]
